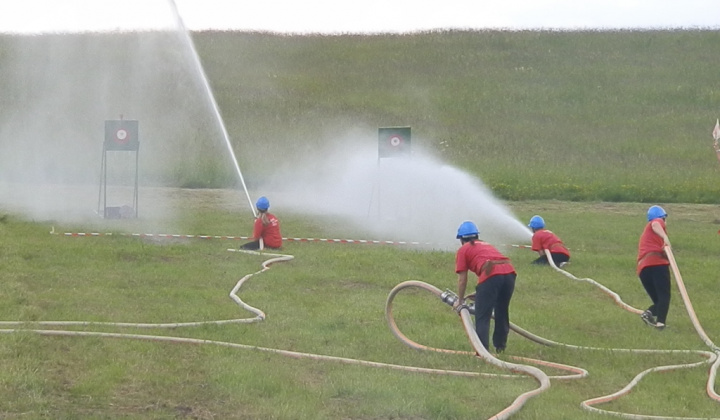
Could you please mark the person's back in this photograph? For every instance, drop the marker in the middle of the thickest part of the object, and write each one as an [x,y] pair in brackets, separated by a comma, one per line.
[544,239]
[494,287]
[266,229]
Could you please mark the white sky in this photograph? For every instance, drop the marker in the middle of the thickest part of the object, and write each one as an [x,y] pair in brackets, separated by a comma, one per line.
[359,16]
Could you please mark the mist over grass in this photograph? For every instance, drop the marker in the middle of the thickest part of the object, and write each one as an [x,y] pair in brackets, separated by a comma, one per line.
[416,198]
[591,115]
[598,116]
[59,89]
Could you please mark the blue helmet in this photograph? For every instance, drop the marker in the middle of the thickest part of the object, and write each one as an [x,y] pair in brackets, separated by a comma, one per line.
[467,229]
[536,222]
[263,203]
[655,212]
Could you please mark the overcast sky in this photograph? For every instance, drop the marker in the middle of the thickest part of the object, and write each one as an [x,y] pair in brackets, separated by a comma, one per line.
[366,16]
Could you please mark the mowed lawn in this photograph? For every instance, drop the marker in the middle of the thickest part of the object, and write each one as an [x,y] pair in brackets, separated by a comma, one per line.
[330,301]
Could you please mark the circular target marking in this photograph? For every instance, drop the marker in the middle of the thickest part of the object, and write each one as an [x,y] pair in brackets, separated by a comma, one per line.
[395,141]
[121,136]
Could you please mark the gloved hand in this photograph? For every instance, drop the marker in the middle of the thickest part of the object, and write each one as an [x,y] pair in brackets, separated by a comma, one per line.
[458,306]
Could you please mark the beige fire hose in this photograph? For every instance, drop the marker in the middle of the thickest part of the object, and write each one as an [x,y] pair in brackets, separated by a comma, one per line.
[609,292]
[709,357]
[259,316]
[539,376]
[696,323]
[573,372]
[713,357]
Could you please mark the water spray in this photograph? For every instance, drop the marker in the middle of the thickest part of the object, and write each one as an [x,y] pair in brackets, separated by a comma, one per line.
[211,98]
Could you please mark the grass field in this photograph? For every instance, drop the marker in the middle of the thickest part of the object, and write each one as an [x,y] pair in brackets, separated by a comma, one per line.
[601,116]
[604,116]
[330,301]
[583,128]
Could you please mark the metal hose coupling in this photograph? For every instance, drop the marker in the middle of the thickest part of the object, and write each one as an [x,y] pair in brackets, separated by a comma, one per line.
[449,297]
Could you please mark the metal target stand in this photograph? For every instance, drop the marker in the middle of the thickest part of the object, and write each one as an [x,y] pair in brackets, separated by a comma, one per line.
[121,136]
[393,142]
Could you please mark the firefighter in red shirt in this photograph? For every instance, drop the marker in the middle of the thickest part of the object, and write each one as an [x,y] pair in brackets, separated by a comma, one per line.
[495,284]
[266,230]
[544,239]
[653,267]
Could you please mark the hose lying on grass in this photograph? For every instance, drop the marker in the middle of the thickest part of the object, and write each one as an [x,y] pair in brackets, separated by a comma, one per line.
[712,358]
[516,368]
[260,316]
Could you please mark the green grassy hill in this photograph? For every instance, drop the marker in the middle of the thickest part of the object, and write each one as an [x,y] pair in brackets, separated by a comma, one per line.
[613,116]
[616,116]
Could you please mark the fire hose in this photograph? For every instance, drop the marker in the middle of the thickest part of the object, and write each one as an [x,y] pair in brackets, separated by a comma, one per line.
[449,298]
[712,357]
[260,316]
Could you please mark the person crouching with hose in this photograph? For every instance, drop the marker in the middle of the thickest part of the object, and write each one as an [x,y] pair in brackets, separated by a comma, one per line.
[543,239]
[653,267]
[266,229]
[495,284]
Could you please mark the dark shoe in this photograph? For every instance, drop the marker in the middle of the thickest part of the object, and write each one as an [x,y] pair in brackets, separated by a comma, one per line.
[499,350]
[648,318]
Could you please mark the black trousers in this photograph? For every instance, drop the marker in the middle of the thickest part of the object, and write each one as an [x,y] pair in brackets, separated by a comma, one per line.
[255,245]
[493,295]
[656,281]
[556,256]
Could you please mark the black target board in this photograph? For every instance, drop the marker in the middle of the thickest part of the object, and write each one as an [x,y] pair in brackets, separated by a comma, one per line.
[121,135]
[393,142]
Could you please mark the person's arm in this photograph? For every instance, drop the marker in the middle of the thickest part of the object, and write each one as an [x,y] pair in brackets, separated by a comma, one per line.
[257,229]
[660,232]
[537,244]
[462,285]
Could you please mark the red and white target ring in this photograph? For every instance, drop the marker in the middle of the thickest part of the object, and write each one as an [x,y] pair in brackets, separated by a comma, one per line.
[396,141]
[121,136]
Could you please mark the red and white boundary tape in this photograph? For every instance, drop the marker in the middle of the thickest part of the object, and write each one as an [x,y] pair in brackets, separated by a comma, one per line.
[336,241]
[226,237]
[175,236]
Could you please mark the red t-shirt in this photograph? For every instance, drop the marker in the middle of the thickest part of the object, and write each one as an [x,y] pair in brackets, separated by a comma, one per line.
[473,255]
[270,232]
[544,239]
[651,247]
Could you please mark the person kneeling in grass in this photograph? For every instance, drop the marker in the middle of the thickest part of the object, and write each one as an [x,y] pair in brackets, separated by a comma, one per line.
[266,229]
[544,239]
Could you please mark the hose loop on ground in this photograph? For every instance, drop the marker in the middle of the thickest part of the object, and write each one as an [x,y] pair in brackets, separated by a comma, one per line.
[713,358]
